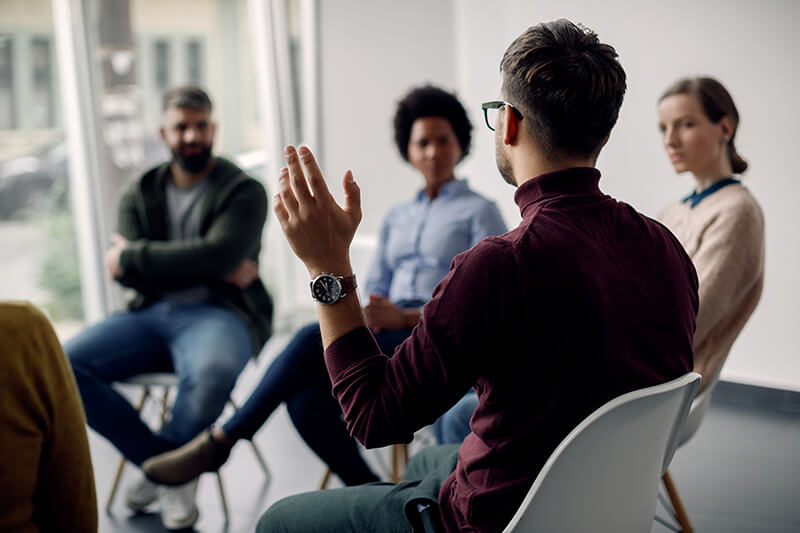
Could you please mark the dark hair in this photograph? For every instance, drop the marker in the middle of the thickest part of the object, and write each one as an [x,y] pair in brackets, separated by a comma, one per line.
[717,103]
[567,84]
[430,101]
[187,96]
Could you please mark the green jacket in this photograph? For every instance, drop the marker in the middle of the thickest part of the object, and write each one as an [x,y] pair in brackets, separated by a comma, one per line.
[234,213]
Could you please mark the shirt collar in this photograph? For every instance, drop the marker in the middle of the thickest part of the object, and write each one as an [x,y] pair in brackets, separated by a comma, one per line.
[580,180]
[453,187]
[697,197]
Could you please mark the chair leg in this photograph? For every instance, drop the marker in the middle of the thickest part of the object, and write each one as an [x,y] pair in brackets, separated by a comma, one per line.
[260,458]
[680,512]
[115,485]
[325,479]
[398,450]
[118,476]
[222,496]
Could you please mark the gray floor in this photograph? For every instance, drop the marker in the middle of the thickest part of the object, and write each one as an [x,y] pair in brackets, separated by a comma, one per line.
[740,472]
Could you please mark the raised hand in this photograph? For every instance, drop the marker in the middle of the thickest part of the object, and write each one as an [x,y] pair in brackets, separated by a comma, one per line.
[317,228]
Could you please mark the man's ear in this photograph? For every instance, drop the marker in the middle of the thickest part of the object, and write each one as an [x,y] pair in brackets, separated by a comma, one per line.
[510,126]
[162,133]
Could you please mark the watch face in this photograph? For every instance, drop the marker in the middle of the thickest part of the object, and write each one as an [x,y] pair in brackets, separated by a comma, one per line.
[326,289]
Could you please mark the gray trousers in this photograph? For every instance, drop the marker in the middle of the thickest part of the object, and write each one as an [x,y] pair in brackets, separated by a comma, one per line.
[384,507]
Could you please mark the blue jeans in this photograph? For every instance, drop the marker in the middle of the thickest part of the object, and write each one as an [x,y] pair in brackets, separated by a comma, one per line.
[206,345]
[453,426]
[299,377]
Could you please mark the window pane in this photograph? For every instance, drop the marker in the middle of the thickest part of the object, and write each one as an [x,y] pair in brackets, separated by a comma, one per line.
[37,236]
[7,109]
[194,63]
[161,61]
[42,94]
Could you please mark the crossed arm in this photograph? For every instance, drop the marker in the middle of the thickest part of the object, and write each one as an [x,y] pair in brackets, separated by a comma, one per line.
[223,253]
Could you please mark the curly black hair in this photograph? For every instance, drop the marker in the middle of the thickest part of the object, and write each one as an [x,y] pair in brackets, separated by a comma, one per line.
[430,101]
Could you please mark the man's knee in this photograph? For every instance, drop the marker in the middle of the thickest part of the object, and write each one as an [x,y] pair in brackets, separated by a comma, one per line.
[282,516]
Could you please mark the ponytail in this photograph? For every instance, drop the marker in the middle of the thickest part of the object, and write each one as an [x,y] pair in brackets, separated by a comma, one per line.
[738,164]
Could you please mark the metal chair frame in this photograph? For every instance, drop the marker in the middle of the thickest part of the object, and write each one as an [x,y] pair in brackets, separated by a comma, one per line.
[166,382]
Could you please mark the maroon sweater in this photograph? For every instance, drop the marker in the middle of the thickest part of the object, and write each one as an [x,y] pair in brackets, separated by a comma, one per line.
[585,300]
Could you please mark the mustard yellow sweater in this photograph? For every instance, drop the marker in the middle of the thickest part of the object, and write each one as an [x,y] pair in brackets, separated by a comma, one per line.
[46,479]
[724,236]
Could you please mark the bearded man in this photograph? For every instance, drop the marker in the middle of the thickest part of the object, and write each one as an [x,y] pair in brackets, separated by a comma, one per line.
[189,237]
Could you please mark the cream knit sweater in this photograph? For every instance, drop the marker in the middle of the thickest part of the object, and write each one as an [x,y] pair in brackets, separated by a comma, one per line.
[724,236]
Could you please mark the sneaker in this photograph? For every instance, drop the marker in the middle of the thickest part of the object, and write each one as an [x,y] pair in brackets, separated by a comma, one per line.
[178,508]
[141,494]
[179,466]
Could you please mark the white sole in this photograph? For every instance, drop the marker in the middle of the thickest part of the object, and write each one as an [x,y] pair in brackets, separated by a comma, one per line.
[181,524]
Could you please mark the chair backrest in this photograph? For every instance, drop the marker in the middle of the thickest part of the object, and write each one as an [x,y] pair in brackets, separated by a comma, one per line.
[696,412]
[604,476]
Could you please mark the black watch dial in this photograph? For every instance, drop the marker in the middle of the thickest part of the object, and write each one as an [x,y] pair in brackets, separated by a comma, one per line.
[326,289]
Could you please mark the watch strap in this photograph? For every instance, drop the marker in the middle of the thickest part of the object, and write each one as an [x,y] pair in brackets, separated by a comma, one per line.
[349,284]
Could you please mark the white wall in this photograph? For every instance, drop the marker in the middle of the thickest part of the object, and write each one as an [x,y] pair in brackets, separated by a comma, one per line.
[373,51]
[751,47]
[371,54]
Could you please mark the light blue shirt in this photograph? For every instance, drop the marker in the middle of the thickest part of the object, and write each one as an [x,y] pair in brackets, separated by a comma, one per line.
[418,240]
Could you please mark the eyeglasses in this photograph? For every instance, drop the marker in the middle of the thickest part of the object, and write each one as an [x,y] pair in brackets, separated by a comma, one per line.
[492,109]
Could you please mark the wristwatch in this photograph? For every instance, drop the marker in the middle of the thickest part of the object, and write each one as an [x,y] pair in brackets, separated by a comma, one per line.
[329,288]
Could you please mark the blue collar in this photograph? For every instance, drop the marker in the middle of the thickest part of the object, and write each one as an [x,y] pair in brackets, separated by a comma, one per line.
[697,197]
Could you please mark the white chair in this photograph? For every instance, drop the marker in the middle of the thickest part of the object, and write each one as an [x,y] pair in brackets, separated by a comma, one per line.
[696,413]
[604,476]
[165,382]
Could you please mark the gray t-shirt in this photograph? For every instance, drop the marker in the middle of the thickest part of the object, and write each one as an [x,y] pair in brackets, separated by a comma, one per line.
[184,208]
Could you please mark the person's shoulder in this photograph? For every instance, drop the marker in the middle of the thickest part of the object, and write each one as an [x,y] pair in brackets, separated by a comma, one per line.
[740,198]
[734,206]
[22,316]
[225,168]
[492,249]
[400,208]
[230,176]
[468,192]
[148,182]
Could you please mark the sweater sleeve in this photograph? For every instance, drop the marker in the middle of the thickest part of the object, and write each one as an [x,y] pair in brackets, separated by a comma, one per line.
[47,403]
[234,235]
[385,400]
[729,261]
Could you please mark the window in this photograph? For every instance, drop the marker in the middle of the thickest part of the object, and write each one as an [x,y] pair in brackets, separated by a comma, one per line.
[8,119]
[42,115]
[194,61]
[161,62]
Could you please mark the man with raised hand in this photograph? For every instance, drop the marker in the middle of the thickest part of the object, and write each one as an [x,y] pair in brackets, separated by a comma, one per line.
[585,300]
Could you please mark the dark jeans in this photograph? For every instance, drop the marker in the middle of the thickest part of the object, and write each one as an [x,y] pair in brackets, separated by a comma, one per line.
[206,345]
[384,507]
[299,377]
